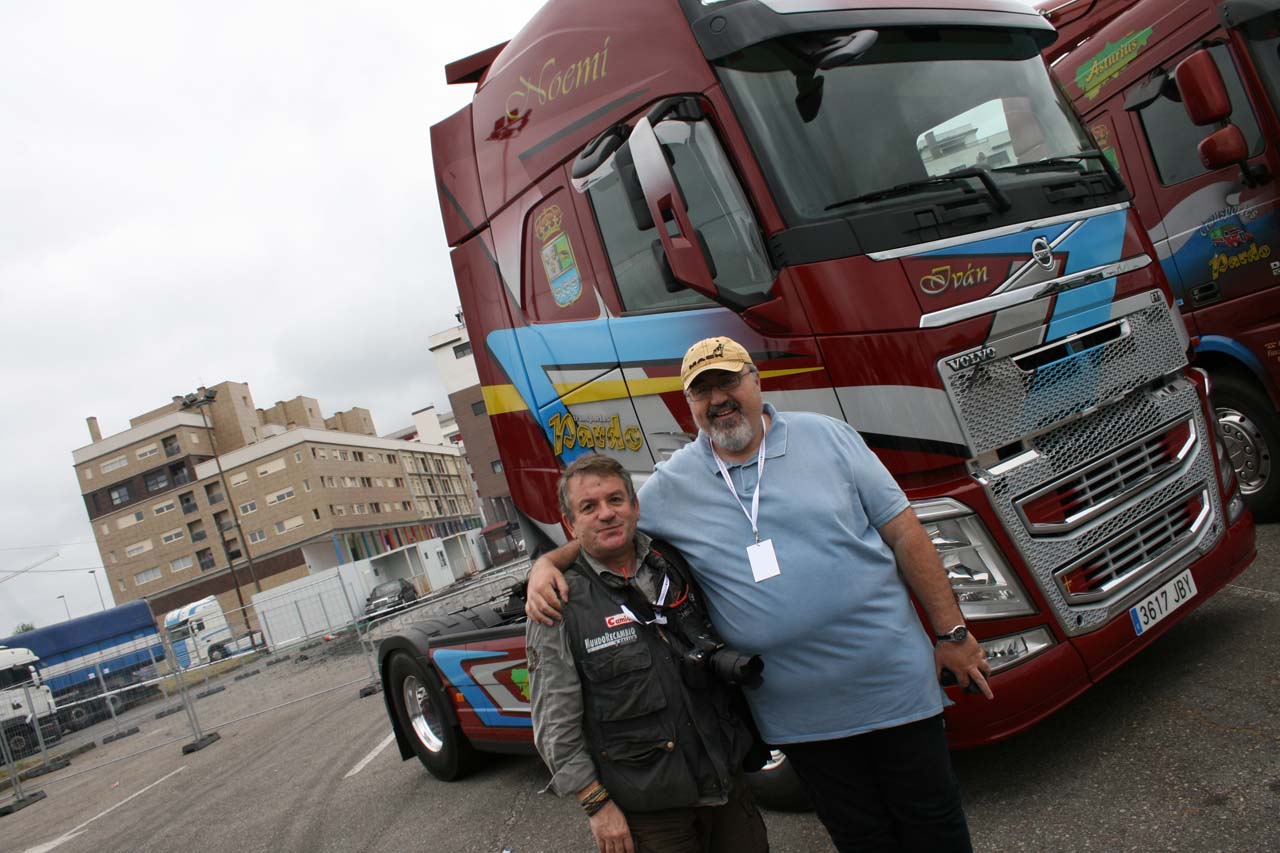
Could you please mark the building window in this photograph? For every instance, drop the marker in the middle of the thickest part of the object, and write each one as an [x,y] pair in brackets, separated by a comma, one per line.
[256,536]
[128,520]
[213,493]
[146,576]
[391,459]
[288,524]
[146,452]
[462,350]
[496,466]
[297,456]
[375,507]
[167,506]
[405,506]
[119,495]
[171,447]
[193,437]
[88,473]
[205,558]
[138,548]
[439,465]
[399,481]
[357,455]
[477,408]
[280,496]
[114,558]
[248,508]
[315,513]
[271,467]
[239,479]
[114,464]
[337,509]
[173,535]
[453,506]
[306,485]
[344,455]
[360,509]
[122,585]
[181,564]
[156,481]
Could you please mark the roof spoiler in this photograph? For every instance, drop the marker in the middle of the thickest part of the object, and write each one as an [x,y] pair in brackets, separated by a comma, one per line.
[471,69]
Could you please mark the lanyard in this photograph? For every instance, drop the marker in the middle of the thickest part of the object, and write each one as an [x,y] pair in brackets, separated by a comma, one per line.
[754,514]
[658,618]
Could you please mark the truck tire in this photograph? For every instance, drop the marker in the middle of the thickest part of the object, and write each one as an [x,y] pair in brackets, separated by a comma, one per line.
[423,715]
[1251,428]
[76,718]
[21,739]
[776,786]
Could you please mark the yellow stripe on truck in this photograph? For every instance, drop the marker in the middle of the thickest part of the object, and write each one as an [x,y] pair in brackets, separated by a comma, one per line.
[502,399]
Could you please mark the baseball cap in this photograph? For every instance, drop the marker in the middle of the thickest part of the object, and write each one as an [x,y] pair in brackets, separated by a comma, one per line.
[712,354]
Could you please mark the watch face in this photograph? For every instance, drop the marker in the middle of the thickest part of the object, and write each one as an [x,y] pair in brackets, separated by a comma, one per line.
[959,635]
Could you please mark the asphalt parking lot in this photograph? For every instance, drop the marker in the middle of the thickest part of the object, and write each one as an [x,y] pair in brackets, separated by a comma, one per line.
[1178,750]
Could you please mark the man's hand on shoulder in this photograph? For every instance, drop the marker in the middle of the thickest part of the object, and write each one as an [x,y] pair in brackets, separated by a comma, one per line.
[967,662]
[547,589]
[610,830]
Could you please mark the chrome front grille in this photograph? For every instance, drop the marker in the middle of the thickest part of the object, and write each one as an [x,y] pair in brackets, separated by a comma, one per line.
[1019,386]
[1070,501]
[1088,448]
[1120,564]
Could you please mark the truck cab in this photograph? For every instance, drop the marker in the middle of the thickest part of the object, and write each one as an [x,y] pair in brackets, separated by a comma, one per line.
[199,633]
[25,702]
[1135,70]
[897,212]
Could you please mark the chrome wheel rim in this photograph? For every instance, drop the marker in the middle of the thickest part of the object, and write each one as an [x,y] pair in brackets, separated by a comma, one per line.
[776,760]
[422,714]
[1247,447]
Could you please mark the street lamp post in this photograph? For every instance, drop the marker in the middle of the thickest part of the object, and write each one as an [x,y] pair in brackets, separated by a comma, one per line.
[98,587]
[199,402]
[67,606]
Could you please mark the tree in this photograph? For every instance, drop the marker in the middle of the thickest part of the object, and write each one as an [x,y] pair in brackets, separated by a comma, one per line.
[24,627]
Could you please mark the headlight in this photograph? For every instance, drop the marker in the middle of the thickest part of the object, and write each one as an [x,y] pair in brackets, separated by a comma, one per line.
[985,586]
[1004,652]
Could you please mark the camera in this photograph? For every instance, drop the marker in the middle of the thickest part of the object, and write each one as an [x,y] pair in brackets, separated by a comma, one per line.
[708,655]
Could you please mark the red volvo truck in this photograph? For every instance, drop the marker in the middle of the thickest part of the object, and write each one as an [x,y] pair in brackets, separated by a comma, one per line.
[897,212]
[1160,84]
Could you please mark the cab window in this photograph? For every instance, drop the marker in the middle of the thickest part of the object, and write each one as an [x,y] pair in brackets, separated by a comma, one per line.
[717,209]
[1173,138]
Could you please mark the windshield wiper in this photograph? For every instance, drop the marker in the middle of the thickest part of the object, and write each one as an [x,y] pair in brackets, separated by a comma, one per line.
[1000,200]
[1071,161]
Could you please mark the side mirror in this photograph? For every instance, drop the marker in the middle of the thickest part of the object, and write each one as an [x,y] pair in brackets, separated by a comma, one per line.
[1204,95]
[684,251]
[1223,147]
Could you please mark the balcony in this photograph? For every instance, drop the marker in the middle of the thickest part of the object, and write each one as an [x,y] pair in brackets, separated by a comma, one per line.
[206,565]
[233,554]
[224,526]
[181,478]
[215,499]
[172,450]
[198,536]
[187,509]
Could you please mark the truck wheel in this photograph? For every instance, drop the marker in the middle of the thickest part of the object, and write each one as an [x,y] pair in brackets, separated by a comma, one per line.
[77,718]
[776,786]
[1251,428]
[422,713]
[217,653]
[21,739]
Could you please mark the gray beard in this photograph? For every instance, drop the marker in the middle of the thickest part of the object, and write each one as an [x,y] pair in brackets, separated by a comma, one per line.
[732,439]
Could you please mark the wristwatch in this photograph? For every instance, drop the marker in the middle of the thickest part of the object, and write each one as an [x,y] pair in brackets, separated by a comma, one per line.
[958,634]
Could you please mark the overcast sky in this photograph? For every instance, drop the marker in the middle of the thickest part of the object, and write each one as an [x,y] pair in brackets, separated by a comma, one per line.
[194,192]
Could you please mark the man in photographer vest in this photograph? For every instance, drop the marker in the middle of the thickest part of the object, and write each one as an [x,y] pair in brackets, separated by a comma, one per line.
[627,713]
[806,549]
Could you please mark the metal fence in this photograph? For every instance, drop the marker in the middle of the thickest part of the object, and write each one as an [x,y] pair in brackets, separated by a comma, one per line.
[185,690]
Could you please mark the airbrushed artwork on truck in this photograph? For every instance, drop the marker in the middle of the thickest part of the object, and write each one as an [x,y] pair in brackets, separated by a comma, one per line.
[495,684]
[611,384]
[1222,235]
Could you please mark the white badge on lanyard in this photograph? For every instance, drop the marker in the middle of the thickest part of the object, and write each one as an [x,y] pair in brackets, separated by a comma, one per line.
[764,562]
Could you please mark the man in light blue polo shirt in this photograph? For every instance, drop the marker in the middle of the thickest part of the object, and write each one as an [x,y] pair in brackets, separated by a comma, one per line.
[802,542]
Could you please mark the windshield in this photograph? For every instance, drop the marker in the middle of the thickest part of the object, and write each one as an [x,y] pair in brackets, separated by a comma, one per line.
[388,588]
[1263,34]
[180,630]
[14,677]
[921,103]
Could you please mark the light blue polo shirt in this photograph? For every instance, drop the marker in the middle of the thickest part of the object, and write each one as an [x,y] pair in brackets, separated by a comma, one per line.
[844,650]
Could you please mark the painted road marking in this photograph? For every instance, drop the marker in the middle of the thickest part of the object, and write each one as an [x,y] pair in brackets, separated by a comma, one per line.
[372,755]
[58,842]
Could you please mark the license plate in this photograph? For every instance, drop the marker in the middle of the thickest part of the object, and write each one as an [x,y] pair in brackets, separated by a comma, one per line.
[1162,602]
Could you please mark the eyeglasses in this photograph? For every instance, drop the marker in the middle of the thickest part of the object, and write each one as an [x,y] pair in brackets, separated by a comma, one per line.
[702,390]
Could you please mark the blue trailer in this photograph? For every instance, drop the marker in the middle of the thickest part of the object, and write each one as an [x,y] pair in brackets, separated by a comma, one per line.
[116,643]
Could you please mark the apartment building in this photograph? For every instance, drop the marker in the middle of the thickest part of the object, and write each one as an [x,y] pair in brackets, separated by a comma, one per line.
[288,492]
[457,368]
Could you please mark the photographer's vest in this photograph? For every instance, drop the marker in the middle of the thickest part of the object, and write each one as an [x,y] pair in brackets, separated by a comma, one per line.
[657,743]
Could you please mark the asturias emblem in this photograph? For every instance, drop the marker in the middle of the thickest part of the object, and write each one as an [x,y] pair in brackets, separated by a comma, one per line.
[1042,252]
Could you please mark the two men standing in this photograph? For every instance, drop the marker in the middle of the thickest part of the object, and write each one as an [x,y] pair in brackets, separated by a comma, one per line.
[806,549]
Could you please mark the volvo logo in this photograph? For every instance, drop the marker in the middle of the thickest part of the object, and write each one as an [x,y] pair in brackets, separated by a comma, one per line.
[1042,252]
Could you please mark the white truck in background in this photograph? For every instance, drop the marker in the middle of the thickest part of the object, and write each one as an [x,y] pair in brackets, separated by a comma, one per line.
[199,633]
[21,710]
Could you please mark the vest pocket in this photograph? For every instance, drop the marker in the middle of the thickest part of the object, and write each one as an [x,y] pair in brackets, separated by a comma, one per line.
[623,684]
[647,774]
